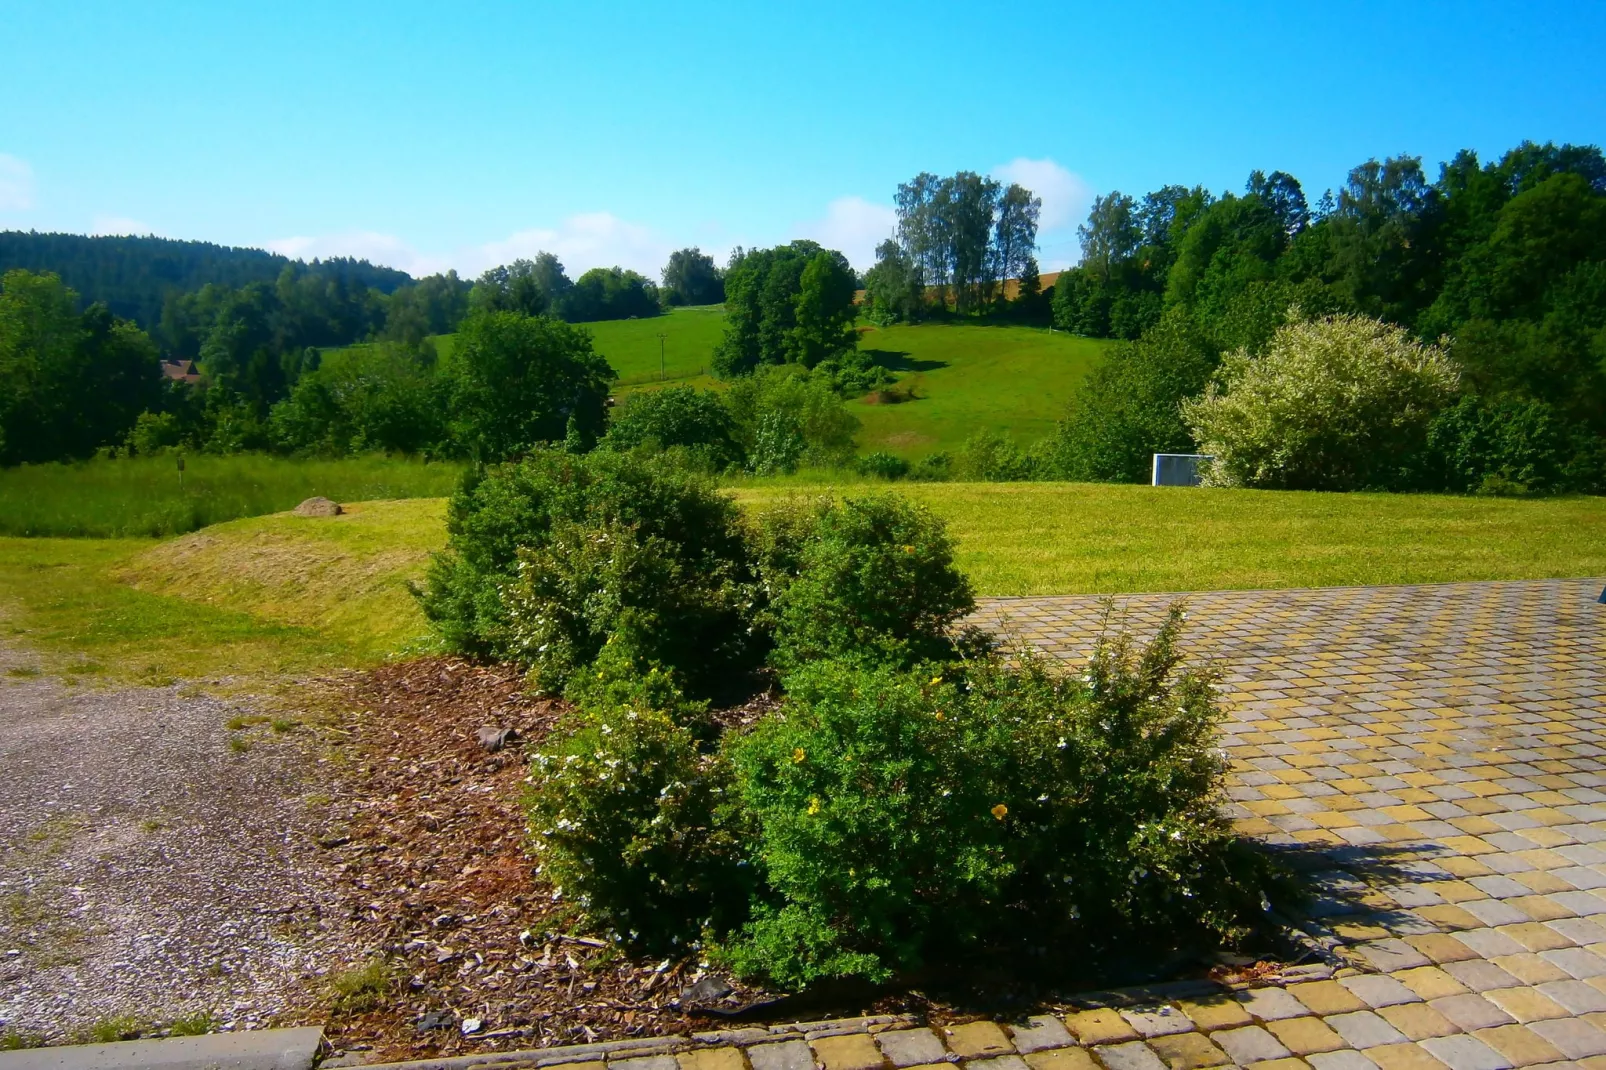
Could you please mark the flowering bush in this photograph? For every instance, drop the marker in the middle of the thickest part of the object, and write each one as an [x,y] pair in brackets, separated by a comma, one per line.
[629,818]
[1340,403]
[902,816]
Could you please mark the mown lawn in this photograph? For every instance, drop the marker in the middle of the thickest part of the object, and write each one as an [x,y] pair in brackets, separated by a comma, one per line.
[277,595]
[631,346]
[148,496]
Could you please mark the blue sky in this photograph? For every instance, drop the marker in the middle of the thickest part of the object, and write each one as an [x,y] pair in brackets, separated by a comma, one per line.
[433,135]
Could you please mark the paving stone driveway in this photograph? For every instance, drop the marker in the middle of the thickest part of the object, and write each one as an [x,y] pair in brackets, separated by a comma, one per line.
[1436,752]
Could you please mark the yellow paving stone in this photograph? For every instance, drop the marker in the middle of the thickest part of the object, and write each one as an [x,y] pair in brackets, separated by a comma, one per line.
[1418,1021]
[1414,796]
[1403,1057]
[1342,803]
[1594,1062]
[1545,815]
[1319,837]
[1458,891]
[978,1040]
[1549,798]
[1430,982]
[1331,819]
[1187,1051]
[854,1051]
[1526,1004]
[1396,832]
[1460,866]
[1102,1026]
[1450,916]
[1422,780]
[1255,826]
[1061,1059]
[1305,1036]
[1281,791]
[1540,858]
[703,1059]
[1406,812]
[1280,1064]
[1520,1044]
[1542,882]
[1217,1012]
[1356,786]
[1534,936]
[1325,997]
[1293,776]
[1476,826]
[1356,931]
[1442,948]
[1539,908]
[1466,845]
[1482,788]
[1479,806]
[1266,807]
[1547,837]
[1529,967]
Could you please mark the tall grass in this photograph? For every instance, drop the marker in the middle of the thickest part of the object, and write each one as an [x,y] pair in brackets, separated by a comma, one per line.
[142,497]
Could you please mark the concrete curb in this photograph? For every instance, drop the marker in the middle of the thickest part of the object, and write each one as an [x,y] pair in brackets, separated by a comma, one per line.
[252,1049]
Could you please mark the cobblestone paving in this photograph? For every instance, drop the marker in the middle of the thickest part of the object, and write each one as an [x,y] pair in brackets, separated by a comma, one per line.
[1434,752]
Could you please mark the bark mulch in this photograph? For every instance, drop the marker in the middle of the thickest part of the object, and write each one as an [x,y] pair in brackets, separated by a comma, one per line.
[430,833]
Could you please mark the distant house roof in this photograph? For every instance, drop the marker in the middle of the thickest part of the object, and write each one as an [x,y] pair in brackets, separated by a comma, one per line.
[182,371]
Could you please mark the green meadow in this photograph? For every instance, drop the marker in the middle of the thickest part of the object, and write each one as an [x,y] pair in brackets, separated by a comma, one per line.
[151,497]
[275,596]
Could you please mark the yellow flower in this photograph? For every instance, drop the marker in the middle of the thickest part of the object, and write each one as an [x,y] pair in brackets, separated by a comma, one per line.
[798,755]
[814,804]
[908,549]
[935,680]
[939,716]
[1000,811]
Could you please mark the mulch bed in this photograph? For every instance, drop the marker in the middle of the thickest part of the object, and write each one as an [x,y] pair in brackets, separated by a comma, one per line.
[430,833]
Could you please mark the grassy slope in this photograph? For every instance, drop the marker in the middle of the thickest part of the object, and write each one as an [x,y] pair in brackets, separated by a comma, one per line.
[966,377]
[969,378]
[631,346]
[142,496]
[344,577]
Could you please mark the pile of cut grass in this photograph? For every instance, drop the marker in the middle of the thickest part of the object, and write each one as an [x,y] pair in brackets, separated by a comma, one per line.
[144,497]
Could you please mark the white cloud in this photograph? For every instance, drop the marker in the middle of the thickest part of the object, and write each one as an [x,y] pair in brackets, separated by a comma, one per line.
[120,226]
[16,184]
[582,242]
[1066,197]
[854,226]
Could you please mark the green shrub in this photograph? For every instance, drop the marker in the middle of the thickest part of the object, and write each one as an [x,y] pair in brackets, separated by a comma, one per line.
[1340,403]
[934,468]
[1518,446]
[873,826]
[683,416]
[902,817]
[647,519]
[883,465]
[631,821]
[653,601]
[872,578]
[786,417]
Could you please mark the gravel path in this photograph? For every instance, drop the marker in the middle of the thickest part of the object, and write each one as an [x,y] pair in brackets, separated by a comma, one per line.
[148,869]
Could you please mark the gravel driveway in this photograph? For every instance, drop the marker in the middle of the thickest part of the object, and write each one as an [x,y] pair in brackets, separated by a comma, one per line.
[146,867]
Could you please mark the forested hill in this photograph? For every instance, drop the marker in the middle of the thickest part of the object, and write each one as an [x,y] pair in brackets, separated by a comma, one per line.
[133,276]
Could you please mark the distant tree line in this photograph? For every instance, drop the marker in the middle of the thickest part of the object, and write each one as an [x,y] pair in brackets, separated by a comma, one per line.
[1499,265]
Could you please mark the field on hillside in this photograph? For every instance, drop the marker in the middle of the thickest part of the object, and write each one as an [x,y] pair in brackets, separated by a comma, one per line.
[144,496]
[963,377]
[968,378]
[280,594]
[631,346]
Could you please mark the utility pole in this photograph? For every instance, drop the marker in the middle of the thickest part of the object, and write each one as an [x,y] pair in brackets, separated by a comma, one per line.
[661,337]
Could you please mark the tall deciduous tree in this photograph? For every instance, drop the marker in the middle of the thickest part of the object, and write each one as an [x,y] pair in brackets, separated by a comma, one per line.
[773,317]
[690,278]
[520,381]
[966,233]
[1112,233]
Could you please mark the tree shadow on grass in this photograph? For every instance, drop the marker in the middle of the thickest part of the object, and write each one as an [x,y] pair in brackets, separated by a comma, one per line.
[898,361]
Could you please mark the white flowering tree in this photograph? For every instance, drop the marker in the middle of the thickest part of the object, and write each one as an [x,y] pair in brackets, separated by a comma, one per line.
[1338,403]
